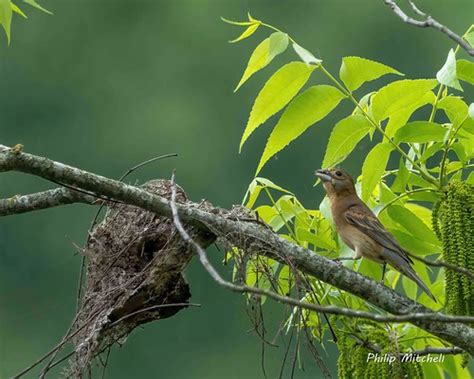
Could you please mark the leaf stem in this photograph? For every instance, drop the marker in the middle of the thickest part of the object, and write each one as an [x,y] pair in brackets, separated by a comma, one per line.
[407,193]
[292,233]
[449,143]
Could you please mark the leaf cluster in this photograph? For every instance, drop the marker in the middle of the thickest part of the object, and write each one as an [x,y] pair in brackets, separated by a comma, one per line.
[411,162]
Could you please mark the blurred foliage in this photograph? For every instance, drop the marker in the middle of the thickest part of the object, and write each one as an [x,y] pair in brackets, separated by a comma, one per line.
[105,85]
[429,153]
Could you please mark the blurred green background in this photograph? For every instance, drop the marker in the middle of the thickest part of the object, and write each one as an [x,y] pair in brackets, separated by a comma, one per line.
[103,85]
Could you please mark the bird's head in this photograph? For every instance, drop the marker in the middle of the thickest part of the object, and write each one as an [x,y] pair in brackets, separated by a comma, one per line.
[336,181]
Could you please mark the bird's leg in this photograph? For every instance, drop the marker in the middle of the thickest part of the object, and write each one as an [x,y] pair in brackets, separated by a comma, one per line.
[383,271]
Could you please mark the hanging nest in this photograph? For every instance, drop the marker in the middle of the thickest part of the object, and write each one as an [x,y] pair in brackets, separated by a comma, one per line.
[135,261]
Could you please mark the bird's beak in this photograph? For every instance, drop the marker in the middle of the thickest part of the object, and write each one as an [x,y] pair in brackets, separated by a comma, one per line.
[323,175]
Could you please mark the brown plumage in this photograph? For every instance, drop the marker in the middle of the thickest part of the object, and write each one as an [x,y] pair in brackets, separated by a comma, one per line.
[360,229]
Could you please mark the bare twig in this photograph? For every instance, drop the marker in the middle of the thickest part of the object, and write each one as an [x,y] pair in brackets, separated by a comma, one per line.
[444,264]
[152,308]
[43,200]
[428,22]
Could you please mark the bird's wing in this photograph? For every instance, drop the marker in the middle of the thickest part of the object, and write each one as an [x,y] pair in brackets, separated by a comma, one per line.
[364,220]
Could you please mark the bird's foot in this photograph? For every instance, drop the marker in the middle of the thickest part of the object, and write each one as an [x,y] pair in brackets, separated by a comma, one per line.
[338,261]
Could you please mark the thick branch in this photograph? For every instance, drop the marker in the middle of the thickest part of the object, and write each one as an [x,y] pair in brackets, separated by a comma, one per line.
[428,22]
[42,200]
[248,236]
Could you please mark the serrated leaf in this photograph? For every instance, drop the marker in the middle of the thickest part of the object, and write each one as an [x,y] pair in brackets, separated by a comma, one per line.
[17,10]
[263,54]
[305,55]
[34,4]
[246,33]
[447,74]
[457,111]
[344,138]
[275,94]
[307,108]
[398,95]
[420,132]
[400,118]
[373,168]
[412,224]
[355,71]
[465,70]
[6,17]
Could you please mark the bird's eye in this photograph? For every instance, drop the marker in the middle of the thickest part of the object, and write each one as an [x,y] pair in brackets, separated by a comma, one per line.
[338,173]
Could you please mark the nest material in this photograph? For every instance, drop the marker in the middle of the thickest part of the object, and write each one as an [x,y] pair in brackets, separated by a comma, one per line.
[135,261]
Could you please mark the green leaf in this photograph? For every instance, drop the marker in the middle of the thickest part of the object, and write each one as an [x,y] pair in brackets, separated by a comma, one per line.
[276,93]
[344,138]
[6,17]
[246,33]
[356,71]
[263,54]
[237,23]
[307,108]
[430,151]
[305,55]
[470,110]
[256,186]
[364,104]
[457,111]
[401,179]
[465,70]
[373,168]
[398,95]
[412,224]
[17,10]
[447,74]
[420,132]
[400,118]
[34,4]
[470,37]
[413,244]
[409,287]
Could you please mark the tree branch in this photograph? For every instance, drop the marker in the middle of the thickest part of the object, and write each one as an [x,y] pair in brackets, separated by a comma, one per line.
[250,237]
[428,22]
[43,200]
[428,350]
[331,309]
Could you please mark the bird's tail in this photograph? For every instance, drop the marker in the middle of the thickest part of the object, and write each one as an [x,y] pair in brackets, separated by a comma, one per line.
[400,264]
[410,273]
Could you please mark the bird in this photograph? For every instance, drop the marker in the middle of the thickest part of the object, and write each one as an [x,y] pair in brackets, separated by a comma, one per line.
[361,230]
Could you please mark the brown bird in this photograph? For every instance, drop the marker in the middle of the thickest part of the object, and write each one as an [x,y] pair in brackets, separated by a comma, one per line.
[361,230]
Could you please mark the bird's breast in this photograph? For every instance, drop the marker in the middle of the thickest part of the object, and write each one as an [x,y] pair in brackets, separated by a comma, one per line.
[360,242]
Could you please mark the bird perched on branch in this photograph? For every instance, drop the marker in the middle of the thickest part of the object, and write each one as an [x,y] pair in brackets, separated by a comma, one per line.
[361,230]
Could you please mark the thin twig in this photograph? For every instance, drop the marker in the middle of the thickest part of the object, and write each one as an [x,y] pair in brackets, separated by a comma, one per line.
[444,264]
[428,22]
[152,308]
